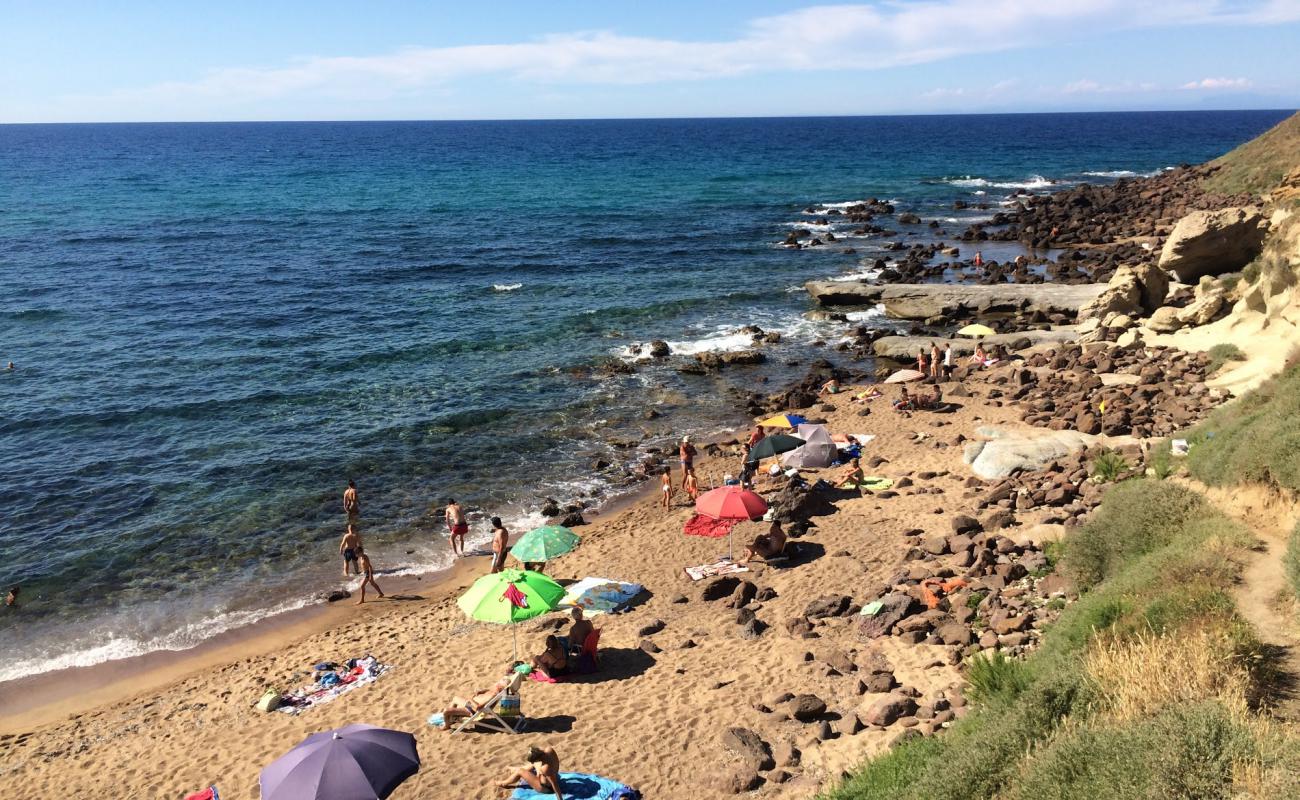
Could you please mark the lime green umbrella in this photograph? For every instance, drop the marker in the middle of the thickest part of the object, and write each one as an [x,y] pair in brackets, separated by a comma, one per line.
[545,543]
[511,596]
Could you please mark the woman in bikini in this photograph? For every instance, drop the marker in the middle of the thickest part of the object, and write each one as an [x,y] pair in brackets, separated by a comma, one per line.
[541,773]
[552,661]
[462,708]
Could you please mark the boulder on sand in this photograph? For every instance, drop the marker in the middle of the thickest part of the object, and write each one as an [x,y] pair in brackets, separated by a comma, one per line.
[1214,242]
[1009,452]
[1133,289]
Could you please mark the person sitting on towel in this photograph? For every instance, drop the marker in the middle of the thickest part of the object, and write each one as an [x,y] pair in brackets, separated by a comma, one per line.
[461,708]
[853,474]
[552,661]
[767,545]
[904,401]
[541,773]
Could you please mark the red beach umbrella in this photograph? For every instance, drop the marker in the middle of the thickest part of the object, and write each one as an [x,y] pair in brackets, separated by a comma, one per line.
[731,502]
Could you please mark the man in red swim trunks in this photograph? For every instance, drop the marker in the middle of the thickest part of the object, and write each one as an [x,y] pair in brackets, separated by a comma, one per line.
[457,525]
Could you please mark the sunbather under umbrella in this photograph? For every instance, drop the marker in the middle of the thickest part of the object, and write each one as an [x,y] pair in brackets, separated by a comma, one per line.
[731,503]
[355,762]
[509,597]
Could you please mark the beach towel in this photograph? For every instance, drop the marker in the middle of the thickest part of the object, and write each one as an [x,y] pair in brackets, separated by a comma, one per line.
[724,566]
[871,483]
[579,786]
[596,596]
[209,793]
[700,525]
[366,671]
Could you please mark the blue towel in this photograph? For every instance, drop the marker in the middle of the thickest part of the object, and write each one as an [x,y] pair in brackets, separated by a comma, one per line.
[577,786]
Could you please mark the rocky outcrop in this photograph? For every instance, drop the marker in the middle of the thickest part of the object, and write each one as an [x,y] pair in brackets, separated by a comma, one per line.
[1214,242]
[1133,290]
[904,348]
[926,300]
[1209,303]
[1007,452]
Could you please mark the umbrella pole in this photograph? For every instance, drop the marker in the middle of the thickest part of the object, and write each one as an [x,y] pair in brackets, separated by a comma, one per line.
[514,646]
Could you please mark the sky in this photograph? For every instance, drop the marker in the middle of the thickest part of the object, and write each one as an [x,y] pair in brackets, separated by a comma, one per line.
[131,60]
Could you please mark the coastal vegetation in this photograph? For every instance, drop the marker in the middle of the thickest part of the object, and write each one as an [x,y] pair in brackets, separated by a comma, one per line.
[1254,440]
[1145,687]
[1260,164]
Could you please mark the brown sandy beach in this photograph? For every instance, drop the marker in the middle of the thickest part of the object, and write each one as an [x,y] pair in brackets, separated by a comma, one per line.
[649,719]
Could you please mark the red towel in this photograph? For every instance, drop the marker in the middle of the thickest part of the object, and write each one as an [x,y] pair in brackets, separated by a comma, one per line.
[517,598]
[700,525]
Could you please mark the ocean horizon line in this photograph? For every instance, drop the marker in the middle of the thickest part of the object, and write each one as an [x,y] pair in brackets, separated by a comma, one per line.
[737,117]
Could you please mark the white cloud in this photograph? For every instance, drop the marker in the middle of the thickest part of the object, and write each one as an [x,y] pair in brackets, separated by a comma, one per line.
[1088,86]
[828,37]
[1218,84]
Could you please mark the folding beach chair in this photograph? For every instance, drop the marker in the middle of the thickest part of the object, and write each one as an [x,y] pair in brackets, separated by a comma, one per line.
[502,713]
[587,659]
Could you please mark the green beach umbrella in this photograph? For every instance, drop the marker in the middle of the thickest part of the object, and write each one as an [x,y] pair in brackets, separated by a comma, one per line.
[774,445]
[509,597]
[545,543]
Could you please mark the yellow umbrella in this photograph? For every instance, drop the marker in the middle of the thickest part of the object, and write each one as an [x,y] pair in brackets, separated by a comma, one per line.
[783,421]
[976,330]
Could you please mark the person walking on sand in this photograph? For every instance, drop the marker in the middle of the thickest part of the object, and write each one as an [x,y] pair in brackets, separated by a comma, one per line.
[457,527]
[500,540]
[368,572]
[666,487]
[936,367]
[348,549]
[351,506]
[686,453]
[692,485]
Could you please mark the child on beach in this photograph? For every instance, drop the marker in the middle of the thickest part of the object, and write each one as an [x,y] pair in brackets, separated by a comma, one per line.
[692,485]
[666,486]
[348,549]
[457,526]
[368,572]
[500,538]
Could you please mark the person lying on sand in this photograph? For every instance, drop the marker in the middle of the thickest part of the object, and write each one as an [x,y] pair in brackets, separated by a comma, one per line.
[541,773]
[368,572]
[867,394]
[553,660]
[462,708]
[766,545]
[348,549]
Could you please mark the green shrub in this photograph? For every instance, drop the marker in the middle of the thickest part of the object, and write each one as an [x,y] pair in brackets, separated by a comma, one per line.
[1185,752]
[1107,467]
[1291,560]
[1161,460]
[1137,517]
[1253,440]
[1221,354]
[975,599]
[993,675]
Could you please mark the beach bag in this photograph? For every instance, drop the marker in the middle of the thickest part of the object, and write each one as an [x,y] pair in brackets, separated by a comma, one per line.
[270,701]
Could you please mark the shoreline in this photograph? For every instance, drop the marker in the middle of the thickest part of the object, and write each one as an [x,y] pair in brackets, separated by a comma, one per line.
[48,697]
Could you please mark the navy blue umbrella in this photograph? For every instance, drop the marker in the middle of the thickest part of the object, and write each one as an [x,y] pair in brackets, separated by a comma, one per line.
[356,762]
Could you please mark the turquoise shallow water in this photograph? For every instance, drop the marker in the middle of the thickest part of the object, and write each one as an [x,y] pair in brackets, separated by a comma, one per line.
[216,325]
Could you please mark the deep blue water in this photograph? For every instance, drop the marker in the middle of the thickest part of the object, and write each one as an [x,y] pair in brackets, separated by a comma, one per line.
[215,325]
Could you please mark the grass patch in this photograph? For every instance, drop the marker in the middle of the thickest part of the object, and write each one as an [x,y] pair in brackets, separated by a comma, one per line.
[1139,689]
[1108,466]
[1253,440]
[1260,164]
[1221,354]
[1291,560]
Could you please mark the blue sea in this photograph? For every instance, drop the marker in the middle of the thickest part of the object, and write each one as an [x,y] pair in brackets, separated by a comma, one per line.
[215,326]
